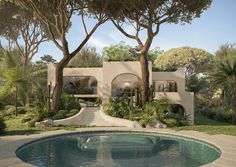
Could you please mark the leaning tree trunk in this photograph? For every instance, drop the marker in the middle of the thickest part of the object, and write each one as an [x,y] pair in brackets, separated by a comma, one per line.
[57,91]
[145,80]
[58,88]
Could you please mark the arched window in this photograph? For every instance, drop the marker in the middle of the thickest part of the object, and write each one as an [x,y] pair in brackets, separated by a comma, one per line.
[125,83]
[177,109]
[165,86]
[80,84]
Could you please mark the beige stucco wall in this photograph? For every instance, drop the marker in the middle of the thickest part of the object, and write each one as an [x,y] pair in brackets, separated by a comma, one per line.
[113,69]
[186,99]
[95,72]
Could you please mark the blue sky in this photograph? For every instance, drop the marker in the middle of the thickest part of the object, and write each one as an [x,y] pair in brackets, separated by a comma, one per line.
[216,26]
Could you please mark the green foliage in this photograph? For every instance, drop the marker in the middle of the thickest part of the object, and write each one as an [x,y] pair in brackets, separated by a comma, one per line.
[154,111]
[157,110]
[154,53]
[160,110]
[61,114]
[14,77]
[218,115]
[69,102]
[193,59]
[124,52]
[2,125]
[118,106]
[224,51]
[87,57]
[20,81]
[223,77]
[47,59]
[119,52]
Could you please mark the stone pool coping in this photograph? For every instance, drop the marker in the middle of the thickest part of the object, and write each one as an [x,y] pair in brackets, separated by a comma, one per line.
[226,144]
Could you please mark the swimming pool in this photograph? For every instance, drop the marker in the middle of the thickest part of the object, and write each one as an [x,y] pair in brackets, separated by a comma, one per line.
[118,149]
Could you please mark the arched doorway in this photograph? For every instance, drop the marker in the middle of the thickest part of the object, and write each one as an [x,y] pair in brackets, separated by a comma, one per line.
[125,83]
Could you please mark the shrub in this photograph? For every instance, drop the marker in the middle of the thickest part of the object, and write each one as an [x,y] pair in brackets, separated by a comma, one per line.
[72,113]
[118,106]
[21,110]
[31,123]
[171,122]
[2,125]
[73,105]
[218,114]
[60,115]
[69,102]
[10,110]
[98,101]
[154,111]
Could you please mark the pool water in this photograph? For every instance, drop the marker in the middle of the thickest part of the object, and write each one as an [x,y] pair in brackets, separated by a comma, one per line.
[118,149]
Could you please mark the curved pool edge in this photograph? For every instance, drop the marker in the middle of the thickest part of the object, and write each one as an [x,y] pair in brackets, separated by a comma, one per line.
[10,144]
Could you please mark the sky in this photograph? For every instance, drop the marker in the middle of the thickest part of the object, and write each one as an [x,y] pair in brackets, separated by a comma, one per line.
[216,26]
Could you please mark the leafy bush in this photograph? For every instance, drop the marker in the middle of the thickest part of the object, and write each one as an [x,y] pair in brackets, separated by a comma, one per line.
[160,110]
[2,125]
[9,110]
[155,110]
[98,101]
[72,113]
[171,122]
[69,102]
[218,114]
[21,110]
[65,114]
[60,114]
[118,106]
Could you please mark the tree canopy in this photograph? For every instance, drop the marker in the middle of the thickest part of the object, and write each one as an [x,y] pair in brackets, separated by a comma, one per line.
[87,57]
[195,60]
[124,52]
[21,30]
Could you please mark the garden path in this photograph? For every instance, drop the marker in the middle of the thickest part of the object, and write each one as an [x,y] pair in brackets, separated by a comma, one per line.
[92,117]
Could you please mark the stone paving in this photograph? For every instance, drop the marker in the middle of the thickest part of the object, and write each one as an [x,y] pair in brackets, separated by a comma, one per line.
[227,144]
[93,117]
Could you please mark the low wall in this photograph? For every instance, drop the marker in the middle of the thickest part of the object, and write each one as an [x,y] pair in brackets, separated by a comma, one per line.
[118,121]
[74,120]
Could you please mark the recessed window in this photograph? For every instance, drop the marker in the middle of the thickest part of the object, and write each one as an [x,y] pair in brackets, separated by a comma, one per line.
[165,86]
[80,84]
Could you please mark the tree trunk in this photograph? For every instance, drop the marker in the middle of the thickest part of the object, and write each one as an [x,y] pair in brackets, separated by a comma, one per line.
[58,88]
[145,80]
[57,91]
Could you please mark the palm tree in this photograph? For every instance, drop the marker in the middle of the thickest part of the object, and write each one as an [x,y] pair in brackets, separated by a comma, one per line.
[13,77]
[224,77]
[19,80]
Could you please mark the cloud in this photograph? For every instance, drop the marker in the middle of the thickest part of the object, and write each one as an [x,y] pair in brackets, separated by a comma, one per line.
[117,36]
[98,43]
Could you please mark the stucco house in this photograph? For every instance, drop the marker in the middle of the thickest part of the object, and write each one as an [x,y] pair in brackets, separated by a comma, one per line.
[116,76]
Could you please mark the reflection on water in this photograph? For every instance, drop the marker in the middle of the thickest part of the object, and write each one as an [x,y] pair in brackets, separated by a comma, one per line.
[117,149]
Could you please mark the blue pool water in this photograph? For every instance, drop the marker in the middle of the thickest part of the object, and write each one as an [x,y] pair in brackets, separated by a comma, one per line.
[118,149]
